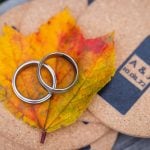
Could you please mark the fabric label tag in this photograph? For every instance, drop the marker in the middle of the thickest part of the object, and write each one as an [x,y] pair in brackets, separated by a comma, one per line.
[131,80]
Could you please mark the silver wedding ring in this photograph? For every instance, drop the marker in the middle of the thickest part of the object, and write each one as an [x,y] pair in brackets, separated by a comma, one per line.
[25,99]
[53,89]
[50,89]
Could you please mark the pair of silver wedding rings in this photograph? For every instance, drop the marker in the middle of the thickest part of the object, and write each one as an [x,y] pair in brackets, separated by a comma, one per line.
[50,89]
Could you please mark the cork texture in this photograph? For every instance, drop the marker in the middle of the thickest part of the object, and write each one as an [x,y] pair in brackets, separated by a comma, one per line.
[105,142]
[14,16]
[46,9]
[73,137]
[130,21]
[14,134]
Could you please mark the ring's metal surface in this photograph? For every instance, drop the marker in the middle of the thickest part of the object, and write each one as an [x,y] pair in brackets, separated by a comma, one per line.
[50,89]
[53,89]
[27,100]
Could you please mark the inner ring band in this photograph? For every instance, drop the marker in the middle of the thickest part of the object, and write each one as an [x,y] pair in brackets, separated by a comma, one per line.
[25,99]
[53,89]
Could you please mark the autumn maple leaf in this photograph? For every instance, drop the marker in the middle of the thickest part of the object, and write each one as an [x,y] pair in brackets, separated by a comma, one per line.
[95,59]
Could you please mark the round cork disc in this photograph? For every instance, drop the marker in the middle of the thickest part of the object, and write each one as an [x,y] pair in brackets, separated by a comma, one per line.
[46,9]
[105,142]
[124,103]
[86,130]
[14,16]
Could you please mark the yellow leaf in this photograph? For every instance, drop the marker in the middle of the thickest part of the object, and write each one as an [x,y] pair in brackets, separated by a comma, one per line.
[95,59]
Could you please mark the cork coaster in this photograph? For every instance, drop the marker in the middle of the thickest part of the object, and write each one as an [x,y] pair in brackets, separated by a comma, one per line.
[86,130]
[73,137]
[46,9]
[14,16]
[124,103]
[105,142]
[7,143]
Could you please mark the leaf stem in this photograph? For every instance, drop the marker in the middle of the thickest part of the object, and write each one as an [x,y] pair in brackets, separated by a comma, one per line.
[43,137]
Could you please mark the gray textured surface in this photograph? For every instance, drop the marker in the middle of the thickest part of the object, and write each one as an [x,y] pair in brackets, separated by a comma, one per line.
[123,142]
